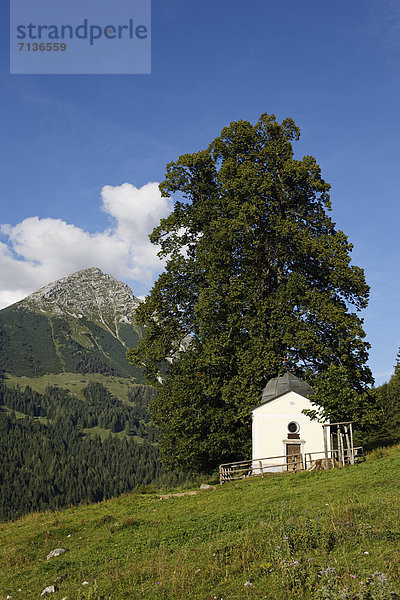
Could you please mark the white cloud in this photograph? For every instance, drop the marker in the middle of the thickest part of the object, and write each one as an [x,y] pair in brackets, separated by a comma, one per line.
[39,251]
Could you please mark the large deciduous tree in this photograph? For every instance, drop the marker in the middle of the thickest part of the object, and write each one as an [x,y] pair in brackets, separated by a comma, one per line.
[255,271]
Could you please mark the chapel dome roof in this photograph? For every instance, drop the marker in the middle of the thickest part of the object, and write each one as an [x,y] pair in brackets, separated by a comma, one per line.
[285,383]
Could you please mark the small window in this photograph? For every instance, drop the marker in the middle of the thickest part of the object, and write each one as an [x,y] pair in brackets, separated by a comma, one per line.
[293,427]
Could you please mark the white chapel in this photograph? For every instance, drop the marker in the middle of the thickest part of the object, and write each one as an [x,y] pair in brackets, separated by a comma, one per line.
[281,432]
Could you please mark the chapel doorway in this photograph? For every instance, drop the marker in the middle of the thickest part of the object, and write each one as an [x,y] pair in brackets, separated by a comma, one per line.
[293,457]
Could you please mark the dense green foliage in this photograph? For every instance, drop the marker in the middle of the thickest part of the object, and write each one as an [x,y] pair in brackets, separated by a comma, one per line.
[256,271]
[48,463]
[312,536]
[383,422]
[33,343]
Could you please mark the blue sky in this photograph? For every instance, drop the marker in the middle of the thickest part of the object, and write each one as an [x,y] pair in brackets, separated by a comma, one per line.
[69,143]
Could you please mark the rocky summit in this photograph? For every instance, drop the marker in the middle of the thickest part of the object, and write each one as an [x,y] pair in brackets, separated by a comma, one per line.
[81,323]
[88,293]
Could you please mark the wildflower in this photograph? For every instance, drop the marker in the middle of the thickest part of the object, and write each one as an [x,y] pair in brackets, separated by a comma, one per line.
[381,577]
[326,572]
[365,552]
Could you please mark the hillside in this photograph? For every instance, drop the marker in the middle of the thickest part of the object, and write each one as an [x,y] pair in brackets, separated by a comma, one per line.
[57,449]
[308,536]
[81,323]
[73,411]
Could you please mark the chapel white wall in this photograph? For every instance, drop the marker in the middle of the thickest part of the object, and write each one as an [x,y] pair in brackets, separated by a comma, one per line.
[270,421]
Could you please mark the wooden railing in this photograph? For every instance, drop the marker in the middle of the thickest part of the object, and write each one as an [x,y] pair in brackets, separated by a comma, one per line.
[259,466]
[289,464]
[337,458]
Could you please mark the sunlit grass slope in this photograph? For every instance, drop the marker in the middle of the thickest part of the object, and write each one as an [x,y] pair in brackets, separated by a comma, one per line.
[74,382]
[313,535]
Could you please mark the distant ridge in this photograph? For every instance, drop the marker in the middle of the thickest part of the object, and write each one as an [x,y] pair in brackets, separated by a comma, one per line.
[83,322]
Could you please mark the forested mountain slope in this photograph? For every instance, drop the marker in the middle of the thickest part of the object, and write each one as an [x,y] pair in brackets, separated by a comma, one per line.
[74,424]
[57,450]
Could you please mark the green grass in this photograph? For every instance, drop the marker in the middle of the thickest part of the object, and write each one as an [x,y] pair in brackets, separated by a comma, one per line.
[312,535]
[19,415]
[75,382]
[104,433]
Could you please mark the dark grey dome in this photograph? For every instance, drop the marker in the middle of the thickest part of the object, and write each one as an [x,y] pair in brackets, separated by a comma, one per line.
[285,383]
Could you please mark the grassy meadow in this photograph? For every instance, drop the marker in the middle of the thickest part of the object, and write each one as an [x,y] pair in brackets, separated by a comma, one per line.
[74,382]
[317,535]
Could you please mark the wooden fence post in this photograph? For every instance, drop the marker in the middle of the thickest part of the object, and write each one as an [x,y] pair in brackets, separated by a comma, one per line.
[341,452]
[326,448]
[349,452]
[352,444]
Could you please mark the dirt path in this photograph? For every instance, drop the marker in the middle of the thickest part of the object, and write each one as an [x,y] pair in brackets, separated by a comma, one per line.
[191,493]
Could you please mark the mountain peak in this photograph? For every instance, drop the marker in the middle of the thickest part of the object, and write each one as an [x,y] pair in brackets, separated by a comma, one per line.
[83,323]
[89,271]
[87,293]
